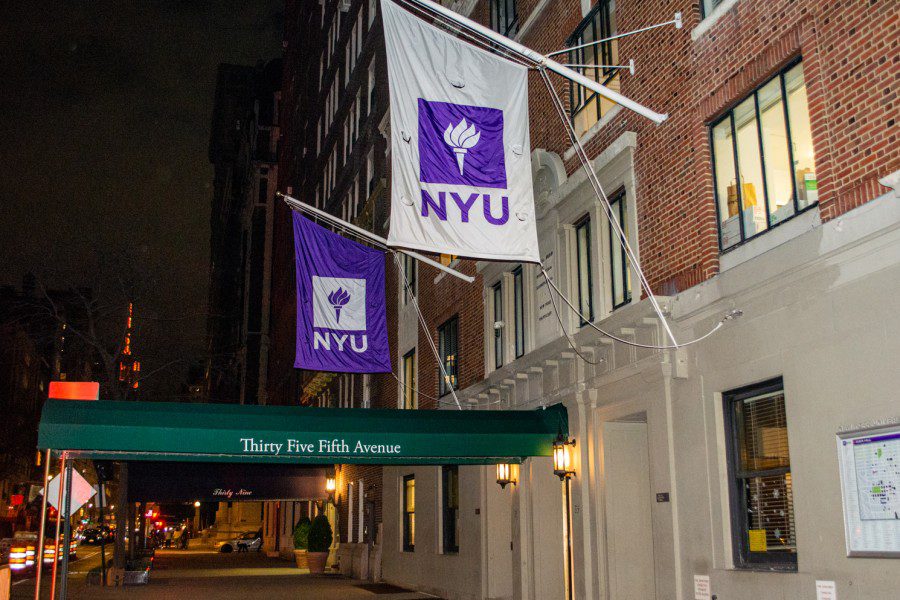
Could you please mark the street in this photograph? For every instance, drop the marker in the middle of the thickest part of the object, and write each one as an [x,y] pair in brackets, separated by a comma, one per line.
[207,574]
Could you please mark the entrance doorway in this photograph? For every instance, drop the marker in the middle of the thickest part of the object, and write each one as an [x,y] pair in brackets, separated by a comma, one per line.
[629,528]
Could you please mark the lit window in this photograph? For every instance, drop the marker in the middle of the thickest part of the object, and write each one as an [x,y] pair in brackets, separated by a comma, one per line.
[446,259]
[519,312]
[409,513]
[448,347]
[410,400]
[620,274]
[765,143]
[504,17]
[583,268]
[450,505]
[760,477]
[587,107]
[497,293]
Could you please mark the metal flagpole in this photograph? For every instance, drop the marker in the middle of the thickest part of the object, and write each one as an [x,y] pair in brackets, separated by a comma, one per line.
[67,533]
[303,207]
[539,59]
[39,555]
[59,503]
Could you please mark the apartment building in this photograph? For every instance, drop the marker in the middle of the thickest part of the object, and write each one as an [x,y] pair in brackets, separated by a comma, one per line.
[770,192]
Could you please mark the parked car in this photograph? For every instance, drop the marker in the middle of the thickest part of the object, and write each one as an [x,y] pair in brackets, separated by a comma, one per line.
[96,535]
[243,543]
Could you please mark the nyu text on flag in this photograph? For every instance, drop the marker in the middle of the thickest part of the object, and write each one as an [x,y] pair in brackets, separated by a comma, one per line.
[461,165]
[341,323]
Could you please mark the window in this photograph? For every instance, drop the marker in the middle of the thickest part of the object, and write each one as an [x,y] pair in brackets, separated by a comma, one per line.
[620,274]
[370,172]
[448,340]
[372,8]
[450,505]
[707,6]
[409,271]
[410,400]
[446,259]
[765,143]
[497,294]
[519,312]
[504,17]
[588,107]
[409,513]
[371,86]
[583,269]
[762,499]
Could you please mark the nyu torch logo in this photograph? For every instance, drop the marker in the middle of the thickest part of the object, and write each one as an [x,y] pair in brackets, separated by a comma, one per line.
[339,314]
[462,145]
[461,138]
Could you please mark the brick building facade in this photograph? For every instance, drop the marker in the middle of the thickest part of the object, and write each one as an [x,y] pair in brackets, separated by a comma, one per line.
[750,196]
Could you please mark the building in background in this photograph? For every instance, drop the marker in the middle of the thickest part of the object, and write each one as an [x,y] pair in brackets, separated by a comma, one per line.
[771,189]
[243,148]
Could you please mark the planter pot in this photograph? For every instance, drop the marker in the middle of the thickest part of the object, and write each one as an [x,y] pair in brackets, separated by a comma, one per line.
[317,561]
[301,558]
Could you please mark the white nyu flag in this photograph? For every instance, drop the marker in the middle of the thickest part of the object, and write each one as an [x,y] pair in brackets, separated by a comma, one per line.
[461,180]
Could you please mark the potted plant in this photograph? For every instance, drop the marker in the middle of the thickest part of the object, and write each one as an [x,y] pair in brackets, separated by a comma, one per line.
[301,537]
[319,543]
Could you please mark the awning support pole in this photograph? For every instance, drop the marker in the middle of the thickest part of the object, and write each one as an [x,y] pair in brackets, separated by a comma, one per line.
[539,59]
[304,207]
[39,554]
[59,502]
[67,533]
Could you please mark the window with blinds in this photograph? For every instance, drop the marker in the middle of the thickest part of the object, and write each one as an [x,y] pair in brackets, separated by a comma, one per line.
[760,467]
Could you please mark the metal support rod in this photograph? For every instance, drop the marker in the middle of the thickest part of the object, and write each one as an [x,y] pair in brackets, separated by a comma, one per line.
[39,555]
[59,502]
[629,66]
[102,536]
[539,59]
[303,207]
[67,533]
[676,21]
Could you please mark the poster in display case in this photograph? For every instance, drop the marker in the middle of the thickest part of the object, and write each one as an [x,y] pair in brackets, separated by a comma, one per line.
[870,485]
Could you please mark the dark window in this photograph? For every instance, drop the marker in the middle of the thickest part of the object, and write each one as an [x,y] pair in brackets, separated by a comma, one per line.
[450,504]
[409,513]
[504,17]
[764,165]
[519,312]
[586,107]
[620,274]
[583,266]
[498,319]
[409,271]
[762,499]
[410,400]
[448,348]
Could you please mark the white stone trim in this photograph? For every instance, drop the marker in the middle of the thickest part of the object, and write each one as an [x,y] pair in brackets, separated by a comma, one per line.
[590,133]
[711,19]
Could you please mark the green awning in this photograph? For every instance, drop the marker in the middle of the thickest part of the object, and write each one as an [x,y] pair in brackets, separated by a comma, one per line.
[271,434]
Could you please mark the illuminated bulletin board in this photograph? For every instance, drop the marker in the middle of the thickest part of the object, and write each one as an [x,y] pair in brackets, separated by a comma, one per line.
[870,485]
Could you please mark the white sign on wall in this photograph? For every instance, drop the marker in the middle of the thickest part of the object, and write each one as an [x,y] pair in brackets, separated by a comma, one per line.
[870,484]
[701,587]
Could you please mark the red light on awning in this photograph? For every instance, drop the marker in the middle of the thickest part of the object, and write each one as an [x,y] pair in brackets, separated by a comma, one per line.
[74,390]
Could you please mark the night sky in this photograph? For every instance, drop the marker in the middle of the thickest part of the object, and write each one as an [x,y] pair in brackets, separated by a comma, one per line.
[105,112]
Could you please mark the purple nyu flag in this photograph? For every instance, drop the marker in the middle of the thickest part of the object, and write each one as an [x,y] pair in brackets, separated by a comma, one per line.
[341,324]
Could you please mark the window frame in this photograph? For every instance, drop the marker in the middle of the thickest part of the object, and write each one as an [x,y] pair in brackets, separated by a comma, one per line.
[603,54]
[729,115]
[511,26]
[619,205]
[584,223]
[737,498]
[497,299]
[410,272]
[409,524]
[518,312]
[409,381]
[449,514]
[451,325]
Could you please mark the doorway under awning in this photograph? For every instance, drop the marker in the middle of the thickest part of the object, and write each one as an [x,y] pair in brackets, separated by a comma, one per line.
[230,433]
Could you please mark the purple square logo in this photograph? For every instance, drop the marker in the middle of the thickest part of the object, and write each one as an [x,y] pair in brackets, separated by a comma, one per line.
[461,145]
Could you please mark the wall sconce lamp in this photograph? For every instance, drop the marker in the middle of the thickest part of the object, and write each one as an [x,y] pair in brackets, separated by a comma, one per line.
[562,457]
[507,473]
